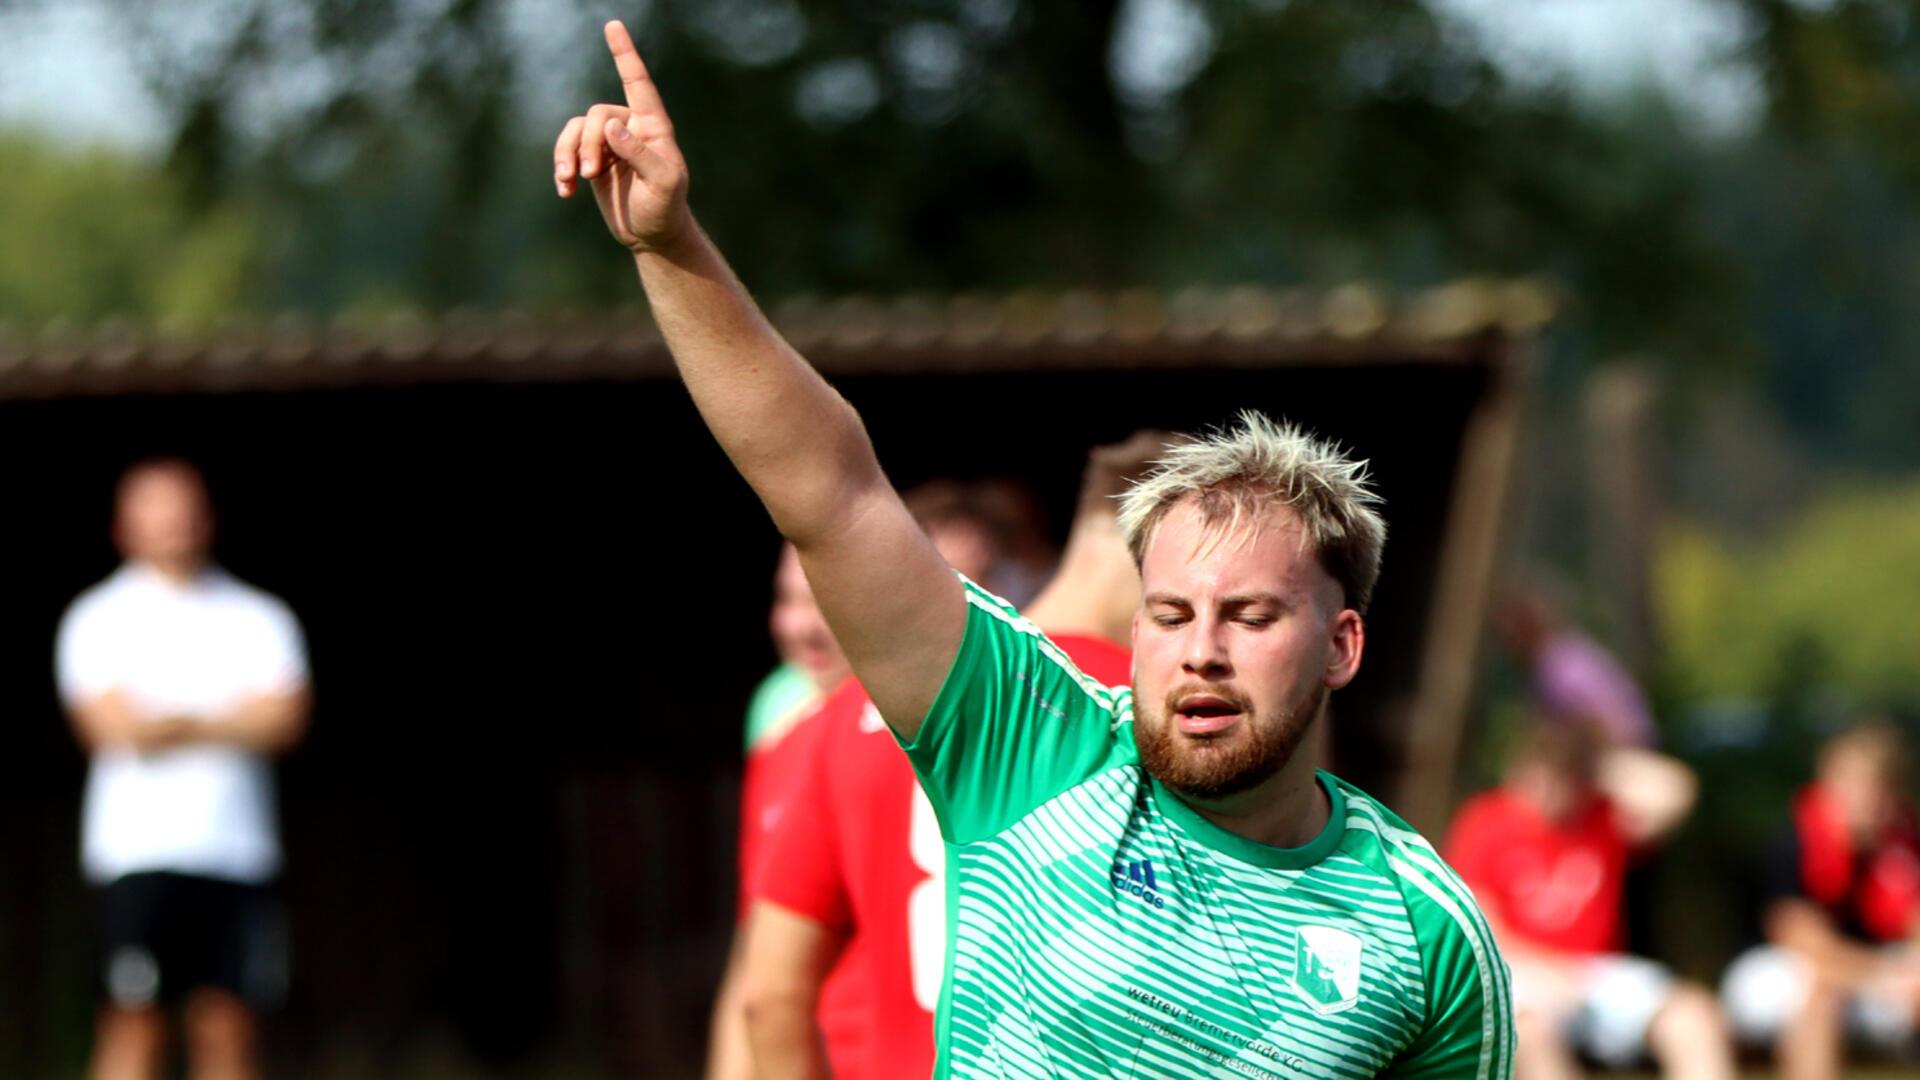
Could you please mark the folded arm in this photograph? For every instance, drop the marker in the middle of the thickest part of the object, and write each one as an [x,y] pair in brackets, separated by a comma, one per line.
[264,723]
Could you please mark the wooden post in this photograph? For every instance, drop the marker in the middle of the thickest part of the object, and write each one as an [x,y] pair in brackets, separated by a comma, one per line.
[1436,716]
[1623,505]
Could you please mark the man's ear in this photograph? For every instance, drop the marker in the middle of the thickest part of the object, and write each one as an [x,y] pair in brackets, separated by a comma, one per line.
[1349,638]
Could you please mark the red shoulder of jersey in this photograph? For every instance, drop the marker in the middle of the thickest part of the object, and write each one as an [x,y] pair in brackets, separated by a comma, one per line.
[771,777]
[800,865]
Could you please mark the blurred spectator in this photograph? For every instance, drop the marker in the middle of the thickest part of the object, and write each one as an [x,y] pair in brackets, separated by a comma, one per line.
[181,682]
[1027,557]
[1573,680]
[1842,896]
[1572,677]
[852,888]
[1546,854]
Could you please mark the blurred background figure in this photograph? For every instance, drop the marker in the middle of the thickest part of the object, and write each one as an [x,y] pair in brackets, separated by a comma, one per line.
[810,661]
[1546,854]
[1575,682]
[811,666]
[1839,966]
[847,935]
[181,684]
[962,526]
[1572,678]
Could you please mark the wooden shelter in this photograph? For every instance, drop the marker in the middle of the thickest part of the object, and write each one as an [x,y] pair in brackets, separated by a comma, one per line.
[535,596]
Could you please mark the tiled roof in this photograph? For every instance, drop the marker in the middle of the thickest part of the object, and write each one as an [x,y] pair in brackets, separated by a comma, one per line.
[1244,326]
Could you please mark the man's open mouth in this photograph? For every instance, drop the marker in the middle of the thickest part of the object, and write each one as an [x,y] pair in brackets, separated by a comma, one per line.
[1205,714]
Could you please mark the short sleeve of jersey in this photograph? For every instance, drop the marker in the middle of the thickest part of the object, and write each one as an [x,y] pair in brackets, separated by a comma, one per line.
[1015,724]
[1468,1032]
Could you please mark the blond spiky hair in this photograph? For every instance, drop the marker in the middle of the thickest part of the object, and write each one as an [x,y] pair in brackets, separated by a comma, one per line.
[1237,473]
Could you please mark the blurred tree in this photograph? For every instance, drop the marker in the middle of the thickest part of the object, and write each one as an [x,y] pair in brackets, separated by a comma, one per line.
[936,144]
[94,235]
[397,153]
[1841,585]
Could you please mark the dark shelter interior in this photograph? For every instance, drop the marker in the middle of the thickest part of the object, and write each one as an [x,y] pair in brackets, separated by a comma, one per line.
[534,614]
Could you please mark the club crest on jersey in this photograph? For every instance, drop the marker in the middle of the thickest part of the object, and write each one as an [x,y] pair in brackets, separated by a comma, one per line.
[1326,968]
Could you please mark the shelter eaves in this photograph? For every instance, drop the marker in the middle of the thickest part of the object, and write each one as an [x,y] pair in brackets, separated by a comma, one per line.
[1467,322]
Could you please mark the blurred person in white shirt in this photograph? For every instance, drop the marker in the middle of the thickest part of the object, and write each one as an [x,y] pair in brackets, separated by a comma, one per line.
[181,683]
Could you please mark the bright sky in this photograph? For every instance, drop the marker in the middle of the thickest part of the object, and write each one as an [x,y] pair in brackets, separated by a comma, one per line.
[62,69]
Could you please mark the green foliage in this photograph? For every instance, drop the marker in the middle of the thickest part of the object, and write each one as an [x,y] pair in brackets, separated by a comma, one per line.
[396,154]
[91,235]
[1832,602]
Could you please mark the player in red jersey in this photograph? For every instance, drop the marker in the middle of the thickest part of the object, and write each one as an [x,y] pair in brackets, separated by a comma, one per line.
[851,886]
[1546,855]
[965,536]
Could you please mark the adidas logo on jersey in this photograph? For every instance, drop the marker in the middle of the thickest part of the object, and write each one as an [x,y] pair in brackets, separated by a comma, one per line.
[1136,878]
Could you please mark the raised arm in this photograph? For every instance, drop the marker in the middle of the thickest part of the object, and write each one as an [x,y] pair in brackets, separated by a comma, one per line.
[1097,588]
[897,610]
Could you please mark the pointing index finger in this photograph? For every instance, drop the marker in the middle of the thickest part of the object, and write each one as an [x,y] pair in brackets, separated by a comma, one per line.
[642,97]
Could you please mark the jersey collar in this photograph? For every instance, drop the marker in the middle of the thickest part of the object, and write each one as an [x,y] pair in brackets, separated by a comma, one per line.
[1189,821]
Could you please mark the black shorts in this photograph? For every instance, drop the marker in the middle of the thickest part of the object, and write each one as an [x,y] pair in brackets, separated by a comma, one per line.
[163,935]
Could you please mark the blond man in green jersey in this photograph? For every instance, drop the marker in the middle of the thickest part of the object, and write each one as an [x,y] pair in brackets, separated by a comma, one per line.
[1151,881]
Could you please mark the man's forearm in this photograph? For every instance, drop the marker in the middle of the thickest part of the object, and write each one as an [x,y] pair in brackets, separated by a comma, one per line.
[267,724]
[786,1042]
[104,721]
[1802,928]
[729,1057]
[793,437]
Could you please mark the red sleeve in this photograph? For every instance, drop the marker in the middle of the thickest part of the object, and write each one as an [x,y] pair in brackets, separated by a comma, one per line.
[767,789]
[800,868]
[753,782]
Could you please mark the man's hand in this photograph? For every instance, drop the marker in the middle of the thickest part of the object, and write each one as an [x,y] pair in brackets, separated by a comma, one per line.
[1096,590]
[164,733]
[1114,468]
[628,154]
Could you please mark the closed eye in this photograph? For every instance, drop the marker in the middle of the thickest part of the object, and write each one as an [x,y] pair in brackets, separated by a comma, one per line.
[1167,611]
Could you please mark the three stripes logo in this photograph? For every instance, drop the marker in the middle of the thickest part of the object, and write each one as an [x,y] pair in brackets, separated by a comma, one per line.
[1136,878]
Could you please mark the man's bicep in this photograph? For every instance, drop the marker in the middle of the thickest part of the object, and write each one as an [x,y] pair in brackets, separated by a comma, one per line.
[894,605]
[787,953]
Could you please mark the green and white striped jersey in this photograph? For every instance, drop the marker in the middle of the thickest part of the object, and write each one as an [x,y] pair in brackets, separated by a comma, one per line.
[1100,927]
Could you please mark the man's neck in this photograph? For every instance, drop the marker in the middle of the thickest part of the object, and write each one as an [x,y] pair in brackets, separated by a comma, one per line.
[175,571]
[1286,810]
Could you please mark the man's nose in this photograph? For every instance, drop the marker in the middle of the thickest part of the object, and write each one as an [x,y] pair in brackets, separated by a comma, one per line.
[1206,652]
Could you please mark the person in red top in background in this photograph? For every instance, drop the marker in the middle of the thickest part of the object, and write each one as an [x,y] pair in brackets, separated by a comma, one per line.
[1546,855]
[852,884]
[1841,916]
[775,771]
[811,666]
